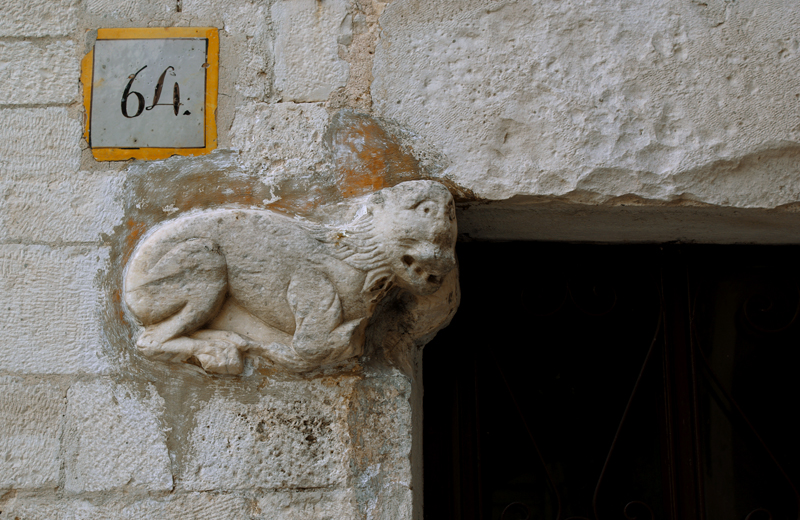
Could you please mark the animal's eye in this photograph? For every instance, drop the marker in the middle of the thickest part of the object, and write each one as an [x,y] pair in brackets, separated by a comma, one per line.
[426,207]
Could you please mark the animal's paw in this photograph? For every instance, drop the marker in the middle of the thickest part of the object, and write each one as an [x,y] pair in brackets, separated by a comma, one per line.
[351,335]
[219,352]
[148,346]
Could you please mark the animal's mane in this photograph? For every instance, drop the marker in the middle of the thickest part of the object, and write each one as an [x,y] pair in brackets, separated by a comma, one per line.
[354,243]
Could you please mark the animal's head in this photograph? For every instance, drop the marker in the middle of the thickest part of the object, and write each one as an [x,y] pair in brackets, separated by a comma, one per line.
[416,223]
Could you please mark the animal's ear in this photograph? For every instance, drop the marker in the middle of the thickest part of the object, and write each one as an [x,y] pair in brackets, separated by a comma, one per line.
[367,157]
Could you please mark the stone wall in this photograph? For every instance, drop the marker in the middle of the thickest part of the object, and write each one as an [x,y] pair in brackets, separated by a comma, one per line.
[553,120]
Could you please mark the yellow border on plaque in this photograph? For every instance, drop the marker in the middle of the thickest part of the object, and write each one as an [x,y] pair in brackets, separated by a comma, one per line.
[212,84]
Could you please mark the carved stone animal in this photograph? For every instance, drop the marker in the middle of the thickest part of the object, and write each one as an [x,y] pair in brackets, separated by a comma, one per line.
[211,285]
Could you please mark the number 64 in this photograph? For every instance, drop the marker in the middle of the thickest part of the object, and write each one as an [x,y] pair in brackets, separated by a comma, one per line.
[176,95]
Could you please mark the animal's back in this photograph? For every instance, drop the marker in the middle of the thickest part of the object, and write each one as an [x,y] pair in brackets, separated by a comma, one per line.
[241,232]
[256,250]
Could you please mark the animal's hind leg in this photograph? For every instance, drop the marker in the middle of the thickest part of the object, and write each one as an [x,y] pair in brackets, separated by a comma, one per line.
[217,351]
[177,296]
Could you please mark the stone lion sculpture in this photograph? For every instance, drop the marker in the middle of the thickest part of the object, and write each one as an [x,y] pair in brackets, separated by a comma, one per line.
[211,285]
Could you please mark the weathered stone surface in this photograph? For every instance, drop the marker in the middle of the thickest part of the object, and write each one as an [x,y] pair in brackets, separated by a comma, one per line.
[679,100]
[38,74]
[114,438]
[236,17]
[210,286]
[31,416]
[294,436]
[248,54]
[190,506]
[74,207]
[38,140]
[308,34]
[150,10]
[38,17]
[359,54]
[49,318]
[380,460]
[252,82]
[282,142]
[305,505]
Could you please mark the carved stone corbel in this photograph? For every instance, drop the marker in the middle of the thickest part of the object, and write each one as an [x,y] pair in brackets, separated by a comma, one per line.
[213,286]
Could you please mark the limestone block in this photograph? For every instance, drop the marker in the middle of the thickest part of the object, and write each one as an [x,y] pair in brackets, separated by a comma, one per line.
[380,418]
[38,74]
[128,10]
[30,429]
[49,320]
[32,508]
[73,207]
[282,141]
[252,81]
[293,437]
[571,98]
[114,439]
[191,506]
[38,17]
[38,140]
[307,63]
[210,286]
[305,505]
[236,17]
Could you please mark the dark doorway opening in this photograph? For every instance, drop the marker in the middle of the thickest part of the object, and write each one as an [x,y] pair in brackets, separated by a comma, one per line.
[616,382]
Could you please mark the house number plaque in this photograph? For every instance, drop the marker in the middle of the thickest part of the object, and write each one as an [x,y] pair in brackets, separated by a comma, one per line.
[151,93]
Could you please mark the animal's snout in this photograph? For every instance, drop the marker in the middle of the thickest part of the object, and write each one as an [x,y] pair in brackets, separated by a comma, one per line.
[432,265]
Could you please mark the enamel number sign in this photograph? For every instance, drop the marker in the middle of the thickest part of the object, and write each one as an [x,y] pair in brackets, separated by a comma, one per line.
[152,93]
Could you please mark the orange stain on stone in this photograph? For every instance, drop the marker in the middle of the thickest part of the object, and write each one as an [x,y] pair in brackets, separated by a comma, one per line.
[294,205]
[368,158]
[135,232]
[118,304]
[206,190]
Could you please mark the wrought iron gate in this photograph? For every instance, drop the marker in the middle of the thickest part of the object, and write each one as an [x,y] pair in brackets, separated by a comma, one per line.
[616,382]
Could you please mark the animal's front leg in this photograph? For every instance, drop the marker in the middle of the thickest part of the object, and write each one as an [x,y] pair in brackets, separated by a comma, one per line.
[321,334]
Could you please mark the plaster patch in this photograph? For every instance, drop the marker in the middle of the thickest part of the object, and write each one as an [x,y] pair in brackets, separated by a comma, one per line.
[282,142]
